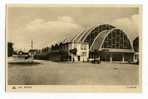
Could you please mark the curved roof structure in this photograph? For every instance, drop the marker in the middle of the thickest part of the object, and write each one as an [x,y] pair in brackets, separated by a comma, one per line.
[99,40]
[90,34]
[104,36]
[94,32]
[80,35]
[112,39]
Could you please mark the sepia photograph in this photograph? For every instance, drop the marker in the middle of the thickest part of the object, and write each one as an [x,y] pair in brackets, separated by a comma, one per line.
[73,47]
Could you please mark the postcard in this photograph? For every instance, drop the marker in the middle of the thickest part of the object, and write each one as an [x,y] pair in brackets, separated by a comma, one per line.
[73,48]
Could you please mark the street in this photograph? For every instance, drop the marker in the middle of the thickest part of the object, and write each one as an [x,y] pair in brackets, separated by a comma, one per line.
[53,73]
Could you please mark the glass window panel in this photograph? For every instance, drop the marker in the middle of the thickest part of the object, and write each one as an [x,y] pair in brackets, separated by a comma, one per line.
[117,39]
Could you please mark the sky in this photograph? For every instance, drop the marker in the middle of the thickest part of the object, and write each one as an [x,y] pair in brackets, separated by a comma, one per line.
[48,25]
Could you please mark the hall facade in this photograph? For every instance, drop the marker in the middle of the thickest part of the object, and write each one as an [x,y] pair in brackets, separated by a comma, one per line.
[104,42]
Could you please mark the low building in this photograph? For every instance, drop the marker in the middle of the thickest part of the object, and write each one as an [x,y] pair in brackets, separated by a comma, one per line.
[77,51]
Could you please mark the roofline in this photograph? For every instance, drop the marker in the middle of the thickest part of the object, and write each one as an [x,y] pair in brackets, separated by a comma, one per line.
[75,42]
[96,38]
[91,29]
[110,32]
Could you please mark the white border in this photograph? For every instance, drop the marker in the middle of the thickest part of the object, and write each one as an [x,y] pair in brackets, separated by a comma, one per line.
[4,95]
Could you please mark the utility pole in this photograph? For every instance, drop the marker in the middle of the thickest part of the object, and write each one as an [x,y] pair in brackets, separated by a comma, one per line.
[32,53]
[31,44]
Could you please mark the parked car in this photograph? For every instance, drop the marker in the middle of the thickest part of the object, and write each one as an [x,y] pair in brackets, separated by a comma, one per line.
[95,61]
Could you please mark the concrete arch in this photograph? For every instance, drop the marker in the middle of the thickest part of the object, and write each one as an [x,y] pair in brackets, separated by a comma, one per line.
[96,39]
[100,38]
[92,33]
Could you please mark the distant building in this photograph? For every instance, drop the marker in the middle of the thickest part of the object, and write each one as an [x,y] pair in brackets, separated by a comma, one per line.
[136,48]
[136,44]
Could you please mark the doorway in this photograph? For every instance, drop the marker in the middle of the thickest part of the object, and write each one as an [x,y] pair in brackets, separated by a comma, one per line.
[78,58]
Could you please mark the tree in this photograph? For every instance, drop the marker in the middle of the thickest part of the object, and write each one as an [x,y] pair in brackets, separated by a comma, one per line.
[63,54]
[61,45]
[52,47]
[56,46]
[73,51]
[10,49]
[136,44]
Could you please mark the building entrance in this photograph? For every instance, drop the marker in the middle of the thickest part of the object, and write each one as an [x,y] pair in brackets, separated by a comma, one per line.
[112,57]
[78,58]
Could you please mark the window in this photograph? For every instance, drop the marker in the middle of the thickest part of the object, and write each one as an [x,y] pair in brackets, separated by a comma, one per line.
[117,39]
[83,47]
[83,54]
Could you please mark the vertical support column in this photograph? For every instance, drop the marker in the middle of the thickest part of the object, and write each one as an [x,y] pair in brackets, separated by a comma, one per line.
[99,58]
[111,58]
[134,57]
[123,58]
[31,44]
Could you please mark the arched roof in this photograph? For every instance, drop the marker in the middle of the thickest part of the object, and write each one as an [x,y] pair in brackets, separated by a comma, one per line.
[94,31]
[100,38]
[80,35]
[85,35]
[96,35]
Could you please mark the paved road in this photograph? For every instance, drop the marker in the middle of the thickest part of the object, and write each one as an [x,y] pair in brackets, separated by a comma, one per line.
[73,74]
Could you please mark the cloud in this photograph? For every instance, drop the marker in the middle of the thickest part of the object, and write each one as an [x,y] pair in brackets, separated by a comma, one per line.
[128,24]
[45,33]
[66,19]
